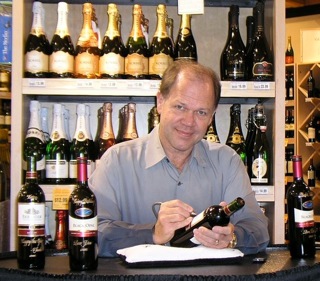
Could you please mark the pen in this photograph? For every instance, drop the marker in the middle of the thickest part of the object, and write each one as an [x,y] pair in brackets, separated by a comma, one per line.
[193,214]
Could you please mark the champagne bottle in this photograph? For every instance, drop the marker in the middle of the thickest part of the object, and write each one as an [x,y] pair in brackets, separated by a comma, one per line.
[233,57]
[66,118]
[31,221]
[250,31]
[311,174]
[61,235]
[92,147]
[87,52]
[129,131]
[261,162]
[210,217]
[137,62]
[37,47]
[57,150]
[154,118]
[259,56]
[161,48]
[235,137]
[83,223]
[34,142]
[61,61]
[212,133]
[311,85]
[300,214]
[250,128]
[185,46]
[289,52]
[44,123]
[113,53]
[107,138]
[80,145]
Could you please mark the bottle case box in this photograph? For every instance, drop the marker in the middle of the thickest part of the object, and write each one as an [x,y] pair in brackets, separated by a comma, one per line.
[6,38]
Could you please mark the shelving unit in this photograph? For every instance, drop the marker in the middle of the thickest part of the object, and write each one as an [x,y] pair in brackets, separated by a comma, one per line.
[95,92]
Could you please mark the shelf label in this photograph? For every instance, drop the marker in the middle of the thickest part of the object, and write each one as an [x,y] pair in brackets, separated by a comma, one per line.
[60,198]
[261,190]
[262,86]
[85,83]
[154,85]
[110,84]
[238,85]
[36,82]
[135,84]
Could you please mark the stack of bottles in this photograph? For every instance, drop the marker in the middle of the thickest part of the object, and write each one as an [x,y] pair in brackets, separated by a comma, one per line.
[137,59]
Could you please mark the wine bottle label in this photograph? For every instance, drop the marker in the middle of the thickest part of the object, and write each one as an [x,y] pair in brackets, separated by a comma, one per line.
[302,218]
[35,133]
[73,168]
[57,169]
[111,64]
[136,64]
[158,63]
[290,167]
[291,92]
[61,62]
[36,62]
[83,227]
[311,175]
[86,63]
[232,71]
[311,133]
[259,170]
[196,219]
[31,214]
[262,69]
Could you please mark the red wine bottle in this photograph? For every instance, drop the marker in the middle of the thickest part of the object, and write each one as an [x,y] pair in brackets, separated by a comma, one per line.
[61,235]
[233,57]
[61,61]
[83,223]
[31,221]
[311,174]
[289,52]
[210,217]
[301,229]
[37,47]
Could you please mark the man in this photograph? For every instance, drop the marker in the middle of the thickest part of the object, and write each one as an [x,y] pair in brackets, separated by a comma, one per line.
[174,165]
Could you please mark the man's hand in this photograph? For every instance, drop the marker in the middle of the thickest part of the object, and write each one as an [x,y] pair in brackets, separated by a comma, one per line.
[172,215]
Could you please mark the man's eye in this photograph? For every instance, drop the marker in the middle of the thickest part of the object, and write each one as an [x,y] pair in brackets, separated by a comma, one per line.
[179,107]
[202,113]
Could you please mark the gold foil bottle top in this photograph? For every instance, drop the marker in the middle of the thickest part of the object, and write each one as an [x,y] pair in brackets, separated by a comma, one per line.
[161,30]
[185,27]
[87,8]
[138,18]
[161,10]
[137,9]
[112,9]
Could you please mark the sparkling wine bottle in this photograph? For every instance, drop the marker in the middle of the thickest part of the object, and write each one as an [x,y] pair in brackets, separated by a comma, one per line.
[37,47]
[210,217]
[87,52]
[212,133]
[81,145]
[44,123]
[129,131]
[259,56]
[107,138]
[235,137]
[34,142]
[289,52]
[185,46]
[61,61]
[250,31]
[111,64]
[137,62]
[233,57]
[300,214]
[161,48]
[153,118]
[31,221]
[311,174]
[57,150]
[83,223]
[61,235]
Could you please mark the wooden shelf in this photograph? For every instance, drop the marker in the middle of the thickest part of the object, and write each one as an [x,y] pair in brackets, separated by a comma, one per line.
[5,95]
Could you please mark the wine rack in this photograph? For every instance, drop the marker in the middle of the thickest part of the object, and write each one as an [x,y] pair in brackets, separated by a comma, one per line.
[143,92]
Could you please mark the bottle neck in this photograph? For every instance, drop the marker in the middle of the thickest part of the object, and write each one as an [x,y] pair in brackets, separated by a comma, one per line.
[161,31]
[233,206]
[37,27]
[82,176]
[34,121]
[131,128]
[236,121]
[81,133]
[250,30]
[136,31]
[297,169]
[57,132]
[113,26]
[185,25]
[259,17]
[87,37]
[31,173]
[62,24]
[107,129]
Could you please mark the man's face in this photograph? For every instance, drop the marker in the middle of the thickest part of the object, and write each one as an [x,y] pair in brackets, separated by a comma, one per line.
[185,114]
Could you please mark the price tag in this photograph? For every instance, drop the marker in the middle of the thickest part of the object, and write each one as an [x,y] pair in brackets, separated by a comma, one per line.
[85,83]
[37,82]
[135,84]
[110,84]
[154,85]
[60,198]
[260,190]
[261,86]
[191,7]
[238,85]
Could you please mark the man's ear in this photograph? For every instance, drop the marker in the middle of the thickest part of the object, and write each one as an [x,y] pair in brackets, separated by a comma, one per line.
[160,101]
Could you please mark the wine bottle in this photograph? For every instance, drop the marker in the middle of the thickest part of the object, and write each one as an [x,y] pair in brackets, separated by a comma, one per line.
[4,165]
[44,123]
[290,86]
[129,131]
[83,223]
[311,85]
[80,145]
[311,174]
[137,62]
[61,235]
[34,142]
[161,48]
[66,118]
[154,118]
[291,124]
[250,127]
[261,162]
[37,47]
[250,31]
[87,52]
[235,137]
[57,150]
[113,51]
[233,57]
[289,52]
[210,217]
[107,138]
[212,133]
[287,123]
[290,162]
[92,147]
[259,56]
[31,221]
[48,241]
[185,46]
[312,130]
[61,61]
[300,214]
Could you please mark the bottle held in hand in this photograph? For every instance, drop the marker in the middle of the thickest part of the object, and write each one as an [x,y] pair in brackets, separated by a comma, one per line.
[210,217]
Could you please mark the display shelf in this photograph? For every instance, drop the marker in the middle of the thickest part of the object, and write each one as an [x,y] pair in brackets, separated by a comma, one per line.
[5,95]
